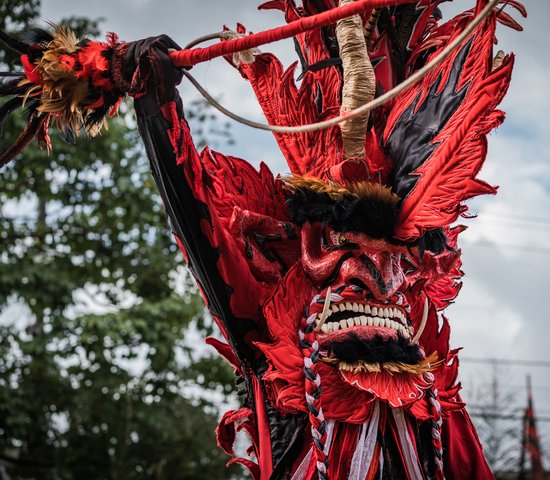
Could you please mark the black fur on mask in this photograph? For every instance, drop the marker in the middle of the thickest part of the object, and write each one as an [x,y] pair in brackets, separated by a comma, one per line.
[377,349]
[350,214]
[373,217]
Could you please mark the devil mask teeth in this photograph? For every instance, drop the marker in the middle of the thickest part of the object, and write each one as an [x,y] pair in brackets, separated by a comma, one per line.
[346,315]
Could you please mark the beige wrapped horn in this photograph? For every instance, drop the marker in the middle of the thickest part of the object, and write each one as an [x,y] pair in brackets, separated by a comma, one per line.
[359,82]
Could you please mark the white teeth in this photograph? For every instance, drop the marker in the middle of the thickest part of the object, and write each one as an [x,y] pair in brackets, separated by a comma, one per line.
[387,317]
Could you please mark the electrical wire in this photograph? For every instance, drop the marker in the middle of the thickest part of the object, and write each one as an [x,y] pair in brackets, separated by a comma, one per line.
[507,361]
[500,416]
[520,216]
[522,248]
[512,223]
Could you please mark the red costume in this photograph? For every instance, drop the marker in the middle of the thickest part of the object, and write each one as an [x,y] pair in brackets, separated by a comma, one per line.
[328,285]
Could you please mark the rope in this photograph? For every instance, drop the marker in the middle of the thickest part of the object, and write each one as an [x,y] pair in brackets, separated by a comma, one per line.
[188,58]
[389,95]
[310,347]
[226,35]
[437,444]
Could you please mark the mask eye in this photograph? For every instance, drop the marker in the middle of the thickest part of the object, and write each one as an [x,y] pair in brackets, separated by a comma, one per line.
[408,265]
[338,239]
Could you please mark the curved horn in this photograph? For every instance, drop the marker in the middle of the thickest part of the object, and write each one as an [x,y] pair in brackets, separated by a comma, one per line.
[359,82]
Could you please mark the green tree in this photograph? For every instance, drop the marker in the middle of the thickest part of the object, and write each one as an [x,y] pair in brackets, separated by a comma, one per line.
[117,394]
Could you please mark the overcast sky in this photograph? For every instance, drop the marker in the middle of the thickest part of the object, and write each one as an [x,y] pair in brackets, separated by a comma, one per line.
[502,310]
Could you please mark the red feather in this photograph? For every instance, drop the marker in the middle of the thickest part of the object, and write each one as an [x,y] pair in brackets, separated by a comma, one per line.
[449,175]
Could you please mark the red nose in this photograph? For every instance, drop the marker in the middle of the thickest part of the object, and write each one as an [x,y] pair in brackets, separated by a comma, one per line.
[379,271]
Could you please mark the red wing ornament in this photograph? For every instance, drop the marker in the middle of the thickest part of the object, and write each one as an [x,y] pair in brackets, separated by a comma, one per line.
[327,285]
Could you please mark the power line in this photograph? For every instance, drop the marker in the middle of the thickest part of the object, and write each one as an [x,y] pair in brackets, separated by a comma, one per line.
[483,408]
[523,224]
[505,384]
[501,416]
[508,361]
[520,217]
[522,248]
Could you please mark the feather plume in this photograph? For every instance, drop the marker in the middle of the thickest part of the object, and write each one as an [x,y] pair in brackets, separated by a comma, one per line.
[436,132]
[63,92]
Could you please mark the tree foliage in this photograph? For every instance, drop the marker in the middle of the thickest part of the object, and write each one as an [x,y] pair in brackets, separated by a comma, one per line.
[97,379]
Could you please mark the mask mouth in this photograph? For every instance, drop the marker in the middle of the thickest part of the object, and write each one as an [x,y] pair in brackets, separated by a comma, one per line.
[365,319]
[359,334]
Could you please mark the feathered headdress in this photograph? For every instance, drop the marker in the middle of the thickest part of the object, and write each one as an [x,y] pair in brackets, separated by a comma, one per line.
[413,161]
[425,147]
[64,79]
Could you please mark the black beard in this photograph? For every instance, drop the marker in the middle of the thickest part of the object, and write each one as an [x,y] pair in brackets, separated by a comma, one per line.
[377,349]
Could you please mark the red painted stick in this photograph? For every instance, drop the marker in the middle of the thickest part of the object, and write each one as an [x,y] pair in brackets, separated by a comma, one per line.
[188,58]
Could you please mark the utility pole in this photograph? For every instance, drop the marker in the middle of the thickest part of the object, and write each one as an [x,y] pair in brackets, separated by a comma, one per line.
[530,440]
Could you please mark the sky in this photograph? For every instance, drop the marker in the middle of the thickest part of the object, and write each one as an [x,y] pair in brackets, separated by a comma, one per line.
[502,310]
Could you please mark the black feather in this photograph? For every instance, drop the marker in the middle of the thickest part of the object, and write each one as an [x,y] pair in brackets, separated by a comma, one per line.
[6,109]
[13,43]
[37,36]
[12,87]
[435,241]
